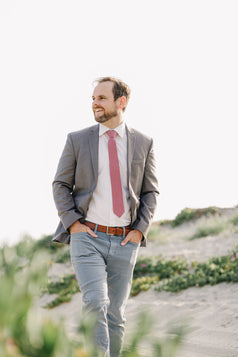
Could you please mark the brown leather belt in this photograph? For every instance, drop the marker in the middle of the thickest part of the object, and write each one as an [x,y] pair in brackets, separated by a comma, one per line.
[115,231]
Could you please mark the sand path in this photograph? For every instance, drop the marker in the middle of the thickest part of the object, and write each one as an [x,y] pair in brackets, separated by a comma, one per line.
[211,313]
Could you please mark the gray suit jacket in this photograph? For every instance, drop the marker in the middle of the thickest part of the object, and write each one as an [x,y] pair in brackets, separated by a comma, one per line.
[77,173]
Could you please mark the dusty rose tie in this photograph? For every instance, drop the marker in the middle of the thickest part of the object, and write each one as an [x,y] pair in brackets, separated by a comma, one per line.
[117,199]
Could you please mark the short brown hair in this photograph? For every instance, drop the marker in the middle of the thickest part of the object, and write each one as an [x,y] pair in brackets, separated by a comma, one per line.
[119,88]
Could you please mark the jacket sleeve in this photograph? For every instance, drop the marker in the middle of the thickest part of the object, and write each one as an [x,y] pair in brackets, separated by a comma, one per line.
[148,195]
[63,185]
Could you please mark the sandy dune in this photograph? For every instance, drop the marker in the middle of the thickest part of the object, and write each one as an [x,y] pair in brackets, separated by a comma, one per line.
[211,313]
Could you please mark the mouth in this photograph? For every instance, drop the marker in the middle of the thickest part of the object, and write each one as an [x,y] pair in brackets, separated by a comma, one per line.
[98,111]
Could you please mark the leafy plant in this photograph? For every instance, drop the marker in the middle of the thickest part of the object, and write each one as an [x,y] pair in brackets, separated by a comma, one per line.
[26,333]
[22,332]
[163,347]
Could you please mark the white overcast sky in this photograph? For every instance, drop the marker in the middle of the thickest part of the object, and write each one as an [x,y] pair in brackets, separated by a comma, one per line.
[179,58]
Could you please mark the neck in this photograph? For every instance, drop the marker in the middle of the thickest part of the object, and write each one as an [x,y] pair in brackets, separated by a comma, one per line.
[114,122]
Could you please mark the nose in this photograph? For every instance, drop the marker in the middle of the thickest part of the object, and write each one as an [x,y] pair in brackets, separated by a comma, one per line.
[95,103]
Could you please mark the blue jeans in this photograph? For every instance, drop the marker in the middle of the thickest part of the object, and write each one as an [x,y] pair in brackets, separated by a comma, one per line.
[104,271]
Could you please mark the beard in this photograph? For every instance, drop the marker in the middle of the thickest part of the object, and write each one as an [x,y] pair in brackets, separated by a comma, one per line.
[106,116]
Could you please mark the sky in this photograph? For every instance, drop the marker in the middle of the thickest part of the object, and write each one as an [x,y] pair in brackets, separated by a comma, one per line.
[180,60]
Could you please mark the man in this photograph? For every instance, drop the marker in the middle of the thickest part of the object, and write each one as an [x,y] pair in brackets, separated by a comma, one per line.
[105,192]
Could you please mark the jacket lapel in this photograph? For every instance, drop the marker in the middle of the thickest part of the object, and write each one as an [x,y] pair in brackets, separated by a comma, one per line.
[130,149]
[93,146]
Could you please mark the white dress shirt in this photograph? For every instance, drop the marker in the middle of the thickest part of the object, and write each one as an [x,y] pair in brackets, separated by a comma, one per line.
[100,208]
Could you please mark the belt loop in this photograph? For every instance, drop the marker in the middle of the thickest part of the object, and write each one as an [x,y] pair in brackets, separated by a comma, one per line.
[96,228]
[124,232]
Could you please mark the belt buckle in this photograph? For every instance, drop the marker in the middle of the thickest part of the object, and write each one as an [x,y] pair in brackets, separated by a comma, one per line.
[110,234]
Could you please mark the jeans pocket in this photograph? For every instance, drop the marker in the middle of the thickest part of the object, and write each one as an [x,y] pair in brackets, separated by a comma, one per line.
[133,243]
[78,234]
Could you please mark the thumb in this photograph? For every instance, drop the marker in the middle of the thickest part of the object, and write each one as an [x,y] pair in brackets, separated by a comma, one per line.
[124,242]
[92,233]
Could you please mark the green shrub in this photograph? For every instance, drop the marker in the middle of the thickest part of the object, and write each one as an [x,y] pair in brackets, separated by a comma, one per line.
[215,271]
[65,288]
[159,267]
[188,214]
[28,246]
[46,243]
[148,271]
[142,284]
[165,222]
[63,256]
[234,220]
[175,275]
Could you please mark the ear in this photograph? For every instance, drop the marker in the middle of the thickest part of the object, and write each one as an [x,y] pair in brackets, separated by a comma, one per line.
[122,102]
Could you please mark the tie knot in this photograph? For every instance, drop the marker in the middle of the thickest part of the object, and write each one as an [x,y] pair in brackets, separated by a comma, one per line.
[112,134]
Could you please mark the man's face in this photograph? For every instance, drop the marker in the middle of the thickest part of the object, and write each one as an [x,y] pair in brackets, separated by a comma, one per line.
[104,107]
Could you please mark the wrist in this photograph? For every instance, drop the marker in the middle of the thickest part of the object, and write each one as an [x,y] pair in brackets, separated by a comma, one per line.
[139,233]
[75,226]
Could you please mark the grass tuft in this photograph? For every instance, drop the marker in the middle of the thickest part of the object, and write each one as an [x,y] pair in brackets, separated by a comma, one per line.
[207,230]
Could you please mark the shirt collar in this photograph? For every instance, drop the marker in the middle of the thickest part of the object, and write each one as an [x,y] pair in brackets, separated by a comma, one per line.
[119,129]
